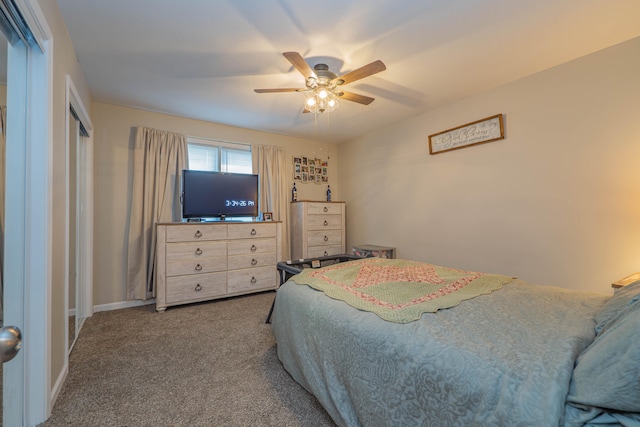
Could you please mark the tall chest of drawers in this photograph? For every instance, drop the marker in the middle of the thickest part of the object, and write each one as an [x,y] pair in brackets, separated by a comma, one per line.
[204,261]
[317,229]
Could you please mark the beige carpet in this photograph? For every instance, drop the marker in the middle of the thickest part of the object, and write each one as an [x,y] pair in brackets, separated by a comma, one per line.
[210,364]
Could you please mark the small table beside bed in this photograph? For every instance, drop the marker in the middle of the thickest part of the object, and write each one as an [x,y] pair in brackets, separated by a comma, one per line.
[389,342]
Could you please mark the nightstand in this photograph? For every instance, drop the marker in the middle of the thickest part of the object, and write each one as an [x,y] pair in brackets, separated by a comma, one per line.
[373,251]
[625,281]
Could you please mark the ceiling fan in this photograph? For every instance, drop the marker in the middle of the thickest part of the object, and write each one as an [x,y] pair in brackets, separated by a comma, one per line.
[324,87]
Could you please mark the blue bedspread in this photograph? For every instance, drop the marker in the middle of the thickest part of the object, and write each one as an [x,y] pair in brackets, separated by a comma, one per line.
[504,359]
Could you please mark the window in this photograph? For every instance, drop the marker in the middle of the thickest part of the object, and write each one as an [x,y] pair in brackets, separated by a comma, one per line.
[219,156]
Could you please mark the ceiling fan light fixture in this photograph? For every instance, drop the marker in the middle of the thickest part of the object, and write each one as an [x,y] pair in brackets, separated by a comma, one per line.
[324,87]
[321,100]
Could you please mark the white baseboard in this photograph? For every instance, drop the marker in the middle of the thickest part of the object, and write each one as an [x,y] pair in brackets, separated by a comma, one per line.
[123,304]
[57,387]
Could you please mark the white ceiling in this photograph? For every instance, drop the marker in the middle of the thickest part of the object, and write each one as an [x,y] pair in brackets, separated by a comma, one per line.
[203,58]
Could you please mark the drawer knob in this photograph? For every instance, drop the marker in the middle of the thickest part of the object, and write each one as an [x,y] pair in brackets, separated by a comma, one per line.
[326,209]
[253,279]
[253,248]
[253,232]
[198,267]
[198,234]
[198,251]
[326,239]
[198,287]
[326,253]
[254,261]
[326,222]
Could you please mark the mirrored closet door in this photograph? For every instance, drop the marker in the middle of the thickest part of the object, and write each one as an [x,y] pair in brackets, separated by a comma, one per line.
[76,225]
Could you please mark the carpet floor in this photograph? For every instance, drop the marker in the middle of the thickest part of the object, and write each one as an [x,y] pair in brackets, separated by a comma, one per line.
[208,364]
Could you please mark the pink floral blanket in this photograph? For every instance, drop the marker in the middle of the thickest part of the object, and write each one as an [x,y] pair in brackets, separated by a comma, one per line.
[399,290]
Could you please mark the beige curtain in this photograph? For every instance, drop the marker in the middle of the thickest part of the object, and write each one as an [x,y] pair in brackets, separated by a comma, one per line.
[271,165]
[158,160]
[3,149]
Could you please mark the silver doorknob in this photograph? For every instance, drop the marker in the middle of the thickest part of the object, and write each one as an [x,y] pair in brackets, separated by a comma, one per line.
[10,342]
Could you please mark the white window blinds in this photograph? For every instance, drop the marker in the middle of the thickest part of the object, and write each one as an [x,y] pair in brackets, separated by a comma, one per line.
[212,155]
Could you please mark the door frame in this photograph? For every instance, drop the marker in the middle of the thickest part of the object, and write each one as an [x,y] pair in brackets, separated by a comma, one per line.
[26,381]
[84,219]
[85,196]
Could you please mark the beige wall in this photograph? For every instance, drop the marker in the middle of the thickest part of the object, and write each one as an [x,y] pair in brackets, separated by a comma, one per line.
[64,62]
[557,202]
[113,161]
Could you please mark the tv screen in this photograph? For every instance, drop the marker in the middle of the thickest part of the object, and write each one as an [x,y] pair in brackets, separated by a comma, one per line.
[219,194]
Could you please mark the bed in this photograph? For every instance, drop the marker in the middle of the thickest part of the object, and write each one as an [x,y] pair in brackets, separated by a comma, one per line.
[517,355]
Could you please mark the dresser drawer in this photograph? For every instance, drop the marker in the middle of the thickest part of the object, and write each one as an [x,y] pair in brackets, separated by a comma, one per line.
[253,230]
[252,279]
[324,208]
[252,260]
[196,232]
[318,251]
[324,222]
[325,237]
[195,287]
[181,266]
[196,250]
[250,246]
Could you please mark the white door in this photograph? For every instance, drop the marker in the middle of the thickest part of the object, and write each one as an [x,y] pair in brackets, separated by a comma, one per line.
[14,241]
[26,266]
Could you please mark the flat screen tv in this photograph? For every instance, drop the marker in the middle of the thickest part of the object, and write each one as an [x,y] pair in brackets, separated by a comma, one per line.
[218,194]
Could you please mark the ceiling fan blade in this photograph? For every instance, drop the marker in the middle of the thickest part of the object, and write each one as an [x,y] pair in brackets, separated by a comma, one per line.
[360,73]
[300,64]
[288,89]
[360,99]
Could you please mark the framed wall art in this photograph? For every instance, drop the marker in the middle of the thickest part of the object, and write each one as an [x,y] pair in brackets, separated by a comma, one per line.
[474,133]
